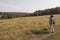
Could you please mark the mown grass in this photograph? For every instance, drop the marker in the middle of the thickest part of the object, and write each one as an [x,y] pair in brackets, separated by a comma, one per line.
[19,28]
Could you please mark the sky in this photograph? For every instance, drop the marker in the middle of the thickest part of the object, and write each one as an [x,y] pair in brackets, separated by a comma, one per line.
[27,5]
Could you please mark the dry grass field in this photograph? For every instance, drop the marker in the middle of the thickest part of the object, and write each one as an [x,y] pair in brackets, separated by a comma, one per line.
[22,28]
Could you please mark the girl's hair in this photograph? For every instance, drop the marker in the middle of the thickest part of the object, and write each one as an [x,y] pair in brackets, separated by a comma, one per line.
[51,16]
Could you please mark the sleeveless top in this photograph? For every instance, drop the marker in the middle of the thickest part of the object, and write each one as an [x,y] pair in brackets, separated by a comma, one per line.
[52,21]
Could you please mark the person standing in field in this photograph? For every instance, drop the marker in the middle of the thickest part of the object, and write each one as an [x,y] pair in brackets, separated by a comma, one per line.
[52,22]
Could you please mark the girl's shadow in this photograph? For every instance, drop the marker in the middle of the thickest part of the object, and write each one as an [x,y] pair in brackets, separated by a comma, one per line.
[43,31]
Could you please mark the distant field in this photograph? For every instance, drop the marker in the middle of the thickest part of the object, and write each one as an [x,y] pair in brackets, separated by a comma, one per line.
[19,28]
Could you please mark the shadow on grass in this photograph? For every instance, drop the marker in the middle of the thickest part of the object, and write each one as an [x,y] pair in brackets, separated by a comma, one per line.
[43,31]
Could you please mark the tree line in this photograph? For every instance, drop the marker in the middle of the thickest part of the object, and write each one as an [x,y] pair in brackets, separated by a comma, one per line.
[47,11]
[8,15]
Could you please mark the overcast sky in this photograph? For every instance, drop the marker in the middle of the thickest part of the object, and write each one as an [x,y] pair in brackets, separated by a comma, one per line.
[27,5]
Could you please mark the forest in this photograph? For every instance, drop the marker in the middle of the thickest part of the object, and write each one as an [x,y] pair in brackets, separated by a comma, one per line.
[49,11]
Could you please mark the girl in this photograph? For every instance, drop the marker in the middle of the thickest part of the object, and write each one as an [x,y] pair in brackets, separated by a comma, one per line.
[52,22]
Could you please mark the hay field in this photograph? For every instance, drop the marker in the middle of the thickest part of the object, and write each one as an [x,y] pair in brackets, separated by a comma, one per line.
[19,28]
